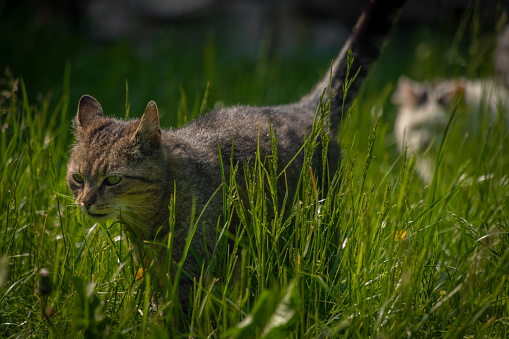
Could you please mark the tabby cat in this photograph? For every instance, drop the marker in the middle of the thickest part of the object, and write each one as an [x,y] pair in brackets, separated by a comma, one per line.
[130,169]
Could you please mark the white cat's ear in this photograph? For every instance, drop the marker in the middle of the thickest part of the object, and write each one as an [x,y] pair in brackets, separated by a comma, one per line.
[408,92]
[148,128]
[88,109]
[451,92]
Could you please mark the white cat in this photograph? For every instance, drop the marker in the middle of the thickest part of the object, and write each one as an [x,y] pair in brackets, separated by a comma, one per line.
[425,109]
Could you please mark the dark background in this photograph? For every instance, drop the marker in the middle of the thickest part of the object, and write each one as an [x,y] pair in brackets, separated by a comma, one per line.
[249,51]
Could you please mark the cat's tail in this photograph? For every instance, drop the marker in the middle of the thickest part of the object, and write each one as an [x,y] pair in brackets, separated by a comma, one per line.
[366,42]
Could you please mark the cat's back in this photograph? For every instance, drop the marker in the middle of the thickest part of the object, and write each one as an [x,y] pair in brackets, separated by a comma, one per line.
[246,129]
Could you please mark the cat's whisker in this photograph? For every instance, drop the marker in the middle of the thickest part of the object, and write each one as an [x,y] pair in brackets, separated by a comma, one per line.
[134,221]
[136,209]
[131,169]
[131,213]
[135,206]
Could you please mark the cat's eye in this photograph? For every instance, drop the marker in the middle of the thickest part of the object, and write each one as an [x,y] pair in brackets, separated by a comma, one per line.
[78,178]
[446,100]
[422,98]
[113,180]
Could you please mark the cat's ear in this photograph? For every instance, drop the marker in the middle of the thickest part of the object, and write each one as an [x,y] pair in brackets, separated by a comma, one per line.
[451,92]
[408,92]
[89,109]
[148,130]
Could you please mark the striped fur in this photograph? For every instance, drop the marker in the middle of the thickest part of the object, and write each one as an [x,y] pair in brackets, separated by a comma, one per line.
[152,162]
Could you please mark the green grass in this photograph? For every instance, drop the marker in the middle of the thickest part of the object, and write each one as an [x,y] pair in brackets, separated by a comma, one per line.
[377,255]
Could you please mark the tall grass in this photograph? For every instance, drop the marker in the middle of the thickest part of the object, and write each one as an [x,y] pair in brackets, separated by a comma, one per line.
[367,251]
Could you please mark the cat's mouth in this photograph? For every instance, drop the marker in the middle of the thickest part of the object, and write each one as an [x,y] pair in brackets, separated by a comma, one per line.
[94,215]
[99,216]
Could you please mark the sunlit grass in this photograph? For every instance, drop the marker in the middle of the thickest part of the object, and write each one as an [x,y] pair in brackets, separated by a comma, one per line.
[377,254]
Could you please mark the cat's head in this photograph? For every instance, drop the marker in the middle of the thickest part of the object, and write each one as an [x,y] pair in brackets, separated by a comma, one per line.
[428,96]
[115,167]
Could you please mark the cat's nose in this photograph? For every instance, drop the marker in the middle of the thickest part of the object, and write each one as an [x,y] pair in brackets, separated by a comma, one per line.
[88,202]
